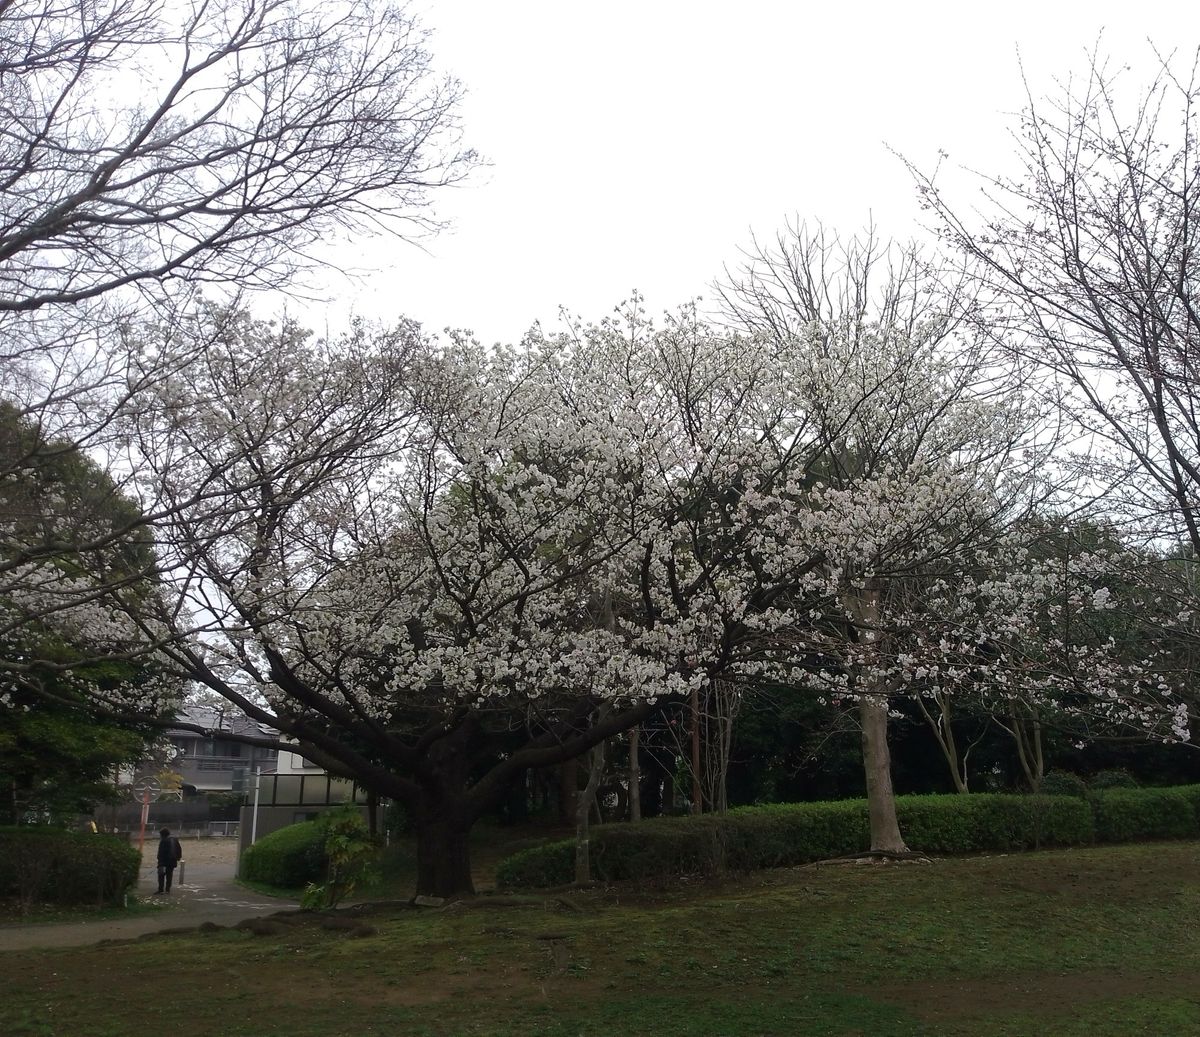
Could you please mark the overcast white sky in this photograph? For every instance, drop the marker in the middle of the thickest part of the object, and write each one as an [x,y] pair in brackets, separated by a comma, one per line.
[638,144]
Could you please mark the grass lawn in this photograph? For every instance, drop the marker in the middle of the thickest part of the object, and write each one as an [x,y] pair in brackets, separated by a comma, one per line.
[1093,943]
[58,914]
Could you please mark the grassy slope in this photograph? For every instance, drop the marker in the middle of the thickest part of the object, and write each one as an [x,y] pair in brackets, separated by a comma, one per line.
[1098,942]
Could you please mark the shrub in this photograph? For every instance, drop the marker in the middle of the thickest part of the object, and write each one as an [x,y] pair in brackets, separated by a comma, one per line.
[1192,794]
[1114,779]
[1125,815]
[796,833]
[993,821]
[350,853]
[39,863]
[1064,783]
[782,834]
[290,858]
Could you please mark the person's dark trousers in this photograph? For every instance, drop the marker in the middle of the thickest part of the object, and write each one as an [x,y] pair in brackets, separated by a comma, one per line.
[164,876]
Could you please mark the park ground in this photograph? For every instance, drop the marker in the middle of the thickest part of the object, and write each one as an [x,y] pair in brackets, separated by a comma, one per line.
[205,890]
[1098,942]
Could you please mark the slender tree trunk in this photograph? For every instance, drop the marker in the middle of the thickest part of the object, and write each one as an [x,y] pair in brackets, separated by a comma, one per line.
[372,814]
[943,731]
[1028,736]
[726,744]
[718,741]
[877,763]
[583,847]
[877,758]
[635,777]
[697,791]
[1039,759]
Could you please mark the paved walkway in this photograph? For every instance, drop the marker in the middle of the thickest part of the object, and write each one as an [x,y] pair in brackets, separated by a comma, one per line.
[208,893]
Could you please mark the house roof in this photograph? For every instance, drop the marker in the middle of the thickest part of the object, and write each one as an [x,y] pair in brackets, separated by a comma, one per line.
[216,721]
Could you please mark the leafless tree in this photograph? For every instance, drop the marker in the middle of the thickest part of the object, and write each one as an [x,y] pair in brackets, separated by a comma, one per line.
[1090,252]
[210,141]
[149,150]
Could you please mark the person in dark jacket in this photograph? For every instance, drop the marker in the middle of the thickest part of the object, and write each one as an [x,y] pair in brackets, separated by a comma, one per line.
[170,853]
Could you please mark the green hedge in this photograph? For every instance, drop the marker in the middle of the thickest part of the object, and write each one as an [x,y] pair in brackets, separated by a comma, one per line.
[796,833]
[1192,794]
[1128,815]
[983,821]
[290,858]
[43,864]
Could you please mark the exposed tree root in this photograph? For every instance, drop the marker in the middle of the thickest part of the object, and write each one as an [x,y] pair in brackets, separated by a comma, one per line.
[876,857]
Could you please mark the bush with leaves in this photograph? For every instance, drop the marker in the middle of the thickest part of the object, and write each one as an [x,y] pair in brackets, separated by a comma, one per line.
[289,858]
[1125,815]
[1063,783]
[350,855]
[43,864]
[1113,779]
[780,835]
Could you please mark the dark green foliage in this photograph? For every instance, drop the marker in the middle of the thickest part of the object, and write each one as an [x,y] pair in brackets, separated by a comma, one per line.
[43,864]
[290,858]
[57,763]
[787,834]
[1192,794]
[1113,779]
[1125,815]
[974,823]
[1064,783]
[56,756]
[788,747]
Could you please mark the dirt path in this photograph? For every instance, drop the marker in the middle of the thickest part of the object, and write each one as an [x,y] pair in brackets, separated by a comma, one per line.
[204,891]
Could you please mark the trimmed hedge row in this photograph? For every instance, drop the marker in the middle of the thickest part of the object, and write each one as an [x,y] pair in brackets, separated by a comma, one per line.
[42,864]
[782,834]
[978,822]
[290,858]
[1128,815]
[785,834]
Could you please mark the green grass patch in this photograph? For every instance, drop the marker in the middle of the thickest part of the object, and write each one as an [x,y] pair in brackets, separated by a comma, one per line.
[61,914]
[1097,942]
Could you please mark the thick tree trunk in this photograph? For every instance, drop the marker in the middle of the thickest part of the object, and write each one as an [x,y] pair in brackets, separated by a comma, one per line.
[443,854]
[568,790]
[877,762]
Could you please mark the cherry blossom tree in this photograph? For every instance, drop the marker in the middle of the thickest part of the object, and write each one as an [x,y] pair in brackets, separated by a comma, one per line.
[936,442]
[1087,254]
[436,566]
[1040,641]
